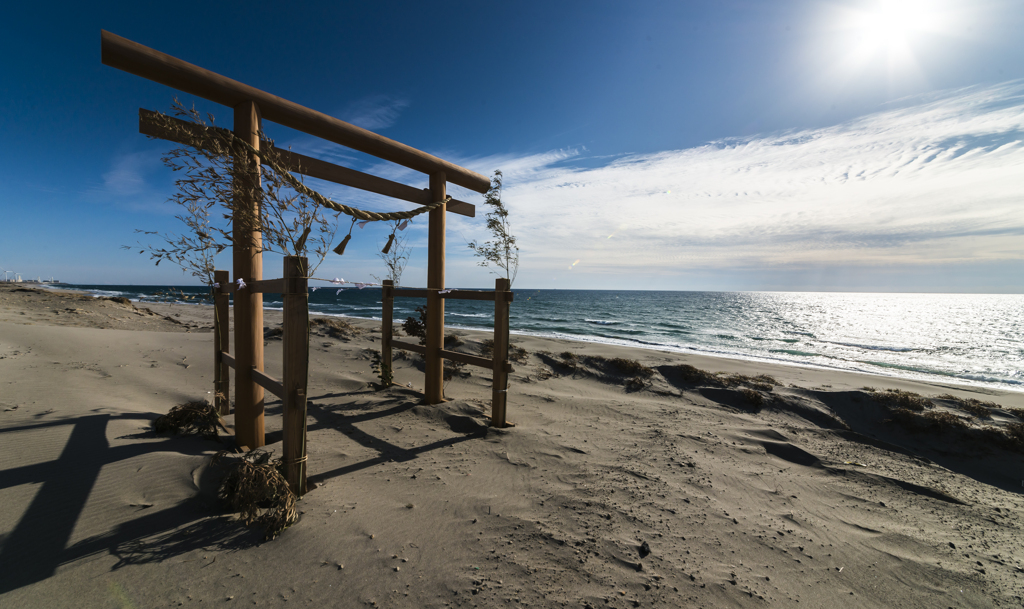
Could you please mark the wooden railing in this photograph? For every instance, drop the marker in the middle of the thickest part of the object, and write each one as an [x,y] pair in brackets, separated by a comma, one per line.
[292,388]
[498,363]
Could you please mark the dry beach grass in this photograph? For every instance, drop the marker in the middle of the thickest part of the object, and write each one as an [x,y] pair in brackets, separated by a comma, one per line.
[632,478]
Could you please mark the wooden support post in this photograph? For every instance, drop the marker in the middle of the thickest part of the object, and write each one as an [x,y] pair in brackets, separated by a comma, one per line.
[386,323]
[499,386]
[433,385]
[296,370]
[221,330]
[248,266]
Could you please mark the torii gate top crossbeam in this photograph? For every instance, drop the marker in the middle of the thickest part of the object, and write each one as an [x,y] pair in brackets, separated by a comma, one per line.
[160,67]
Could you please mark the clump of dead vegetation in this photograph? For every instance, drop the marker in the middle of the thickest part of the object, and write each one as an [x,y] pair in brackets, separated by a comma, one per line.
[197,417]
[451,369]
[255,488]
[631,367]
[918,413]
[515,352]
[976,407]
[1014,432]
[896,398]
[333,327]
[417,326]
[1017,412]
[569,359]
[637,376]
[696,376]
[754,397]
[762,382]
[933,420]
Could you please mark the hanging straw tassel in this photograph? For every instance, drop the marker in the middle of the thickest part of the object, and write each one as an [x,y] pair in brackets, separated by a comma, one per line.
[387,247]
[341,246]
[301,243]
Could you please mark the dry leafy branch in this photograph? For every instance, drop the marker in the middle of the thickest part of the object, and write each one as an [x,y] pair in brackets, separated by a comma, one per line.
[395,255]
[213,184]
[502,252]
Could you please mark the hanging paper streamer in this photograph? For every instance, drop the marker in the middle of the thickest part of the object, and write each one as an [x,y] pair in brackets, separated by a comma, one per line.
[313,289]
[363,223]
[387,248]
[403,225]
[241,283]
[338,292]
[445,291]
[338,281]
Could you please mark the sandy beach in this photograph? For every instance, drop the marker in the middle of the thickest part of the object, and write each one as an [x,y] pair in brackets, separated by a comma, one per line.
[610,491]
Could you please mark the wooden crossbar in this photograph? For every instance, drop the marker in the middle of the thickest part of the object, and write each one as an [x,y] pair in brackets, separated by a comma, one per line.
[465,358]
[399,344]
[474,360]
[143,61]
[478,295]
[263,286]
[314,168]
[269,383]
[454,294]
[267,286]
[227,358]
[435,353]
[409,293]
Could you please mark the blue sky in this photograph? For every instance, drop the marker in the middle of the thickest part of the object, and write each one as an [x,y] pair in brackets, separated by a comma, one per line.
[724,145]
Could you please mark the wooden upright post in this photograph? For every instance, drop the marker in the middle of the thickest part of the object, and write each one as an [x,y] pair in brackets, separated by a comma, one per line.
[433,385]
[248,266]
[499,385]
[221,329]
[296,370]
[386,323]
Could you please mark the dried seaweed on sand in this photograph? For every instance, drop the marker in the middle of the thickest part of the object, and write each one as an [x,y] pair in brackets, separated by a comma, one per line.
[255,488]
[195,417]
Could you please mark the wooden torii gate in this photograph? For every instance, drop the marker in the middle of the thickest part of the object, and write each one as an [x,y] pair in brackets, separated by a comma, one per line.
[251,106]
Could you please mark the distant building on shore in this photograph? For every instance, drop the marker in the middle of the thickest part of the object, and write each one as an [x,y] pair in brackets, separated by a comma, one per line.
[17,279]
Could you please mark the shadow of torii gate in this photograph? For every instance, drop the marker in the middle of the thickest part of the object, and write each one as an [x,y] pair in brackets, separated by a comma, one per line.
[251,106]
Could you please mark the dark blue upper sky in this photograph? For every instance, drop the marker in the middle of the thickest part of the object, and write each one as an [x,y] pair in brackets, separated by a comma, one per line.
[556,91]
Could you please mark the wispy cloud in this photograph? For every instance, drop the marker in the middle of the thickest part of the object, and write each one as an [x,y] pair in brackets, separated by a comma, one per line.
[134,181]
[375,112]
[936,180]
[126,174]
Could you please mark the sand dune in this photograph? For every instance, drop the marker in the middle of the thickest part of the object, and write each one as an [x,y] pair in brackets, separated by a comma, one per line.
[661,492]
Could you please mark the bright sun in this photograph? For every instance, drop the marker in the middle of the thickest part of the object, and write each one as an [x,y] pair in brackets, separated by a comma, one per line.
[891,26]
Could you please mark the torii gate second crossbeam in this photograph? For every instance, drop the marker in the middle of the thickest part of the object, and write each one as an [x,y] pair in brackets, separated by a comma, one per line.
[251,106]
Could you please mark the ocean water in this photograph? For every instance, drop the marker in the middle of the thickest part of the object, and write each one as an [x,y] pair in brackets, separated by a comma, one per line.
[972,339]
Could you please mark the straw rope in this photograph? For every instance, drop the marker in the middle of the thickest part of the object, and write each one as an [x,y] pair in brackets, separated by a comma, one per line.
[360,214]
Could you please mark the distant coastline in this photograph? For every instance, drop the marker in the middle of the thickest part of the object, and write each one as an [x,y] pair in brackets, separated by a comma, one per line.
[968,339]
